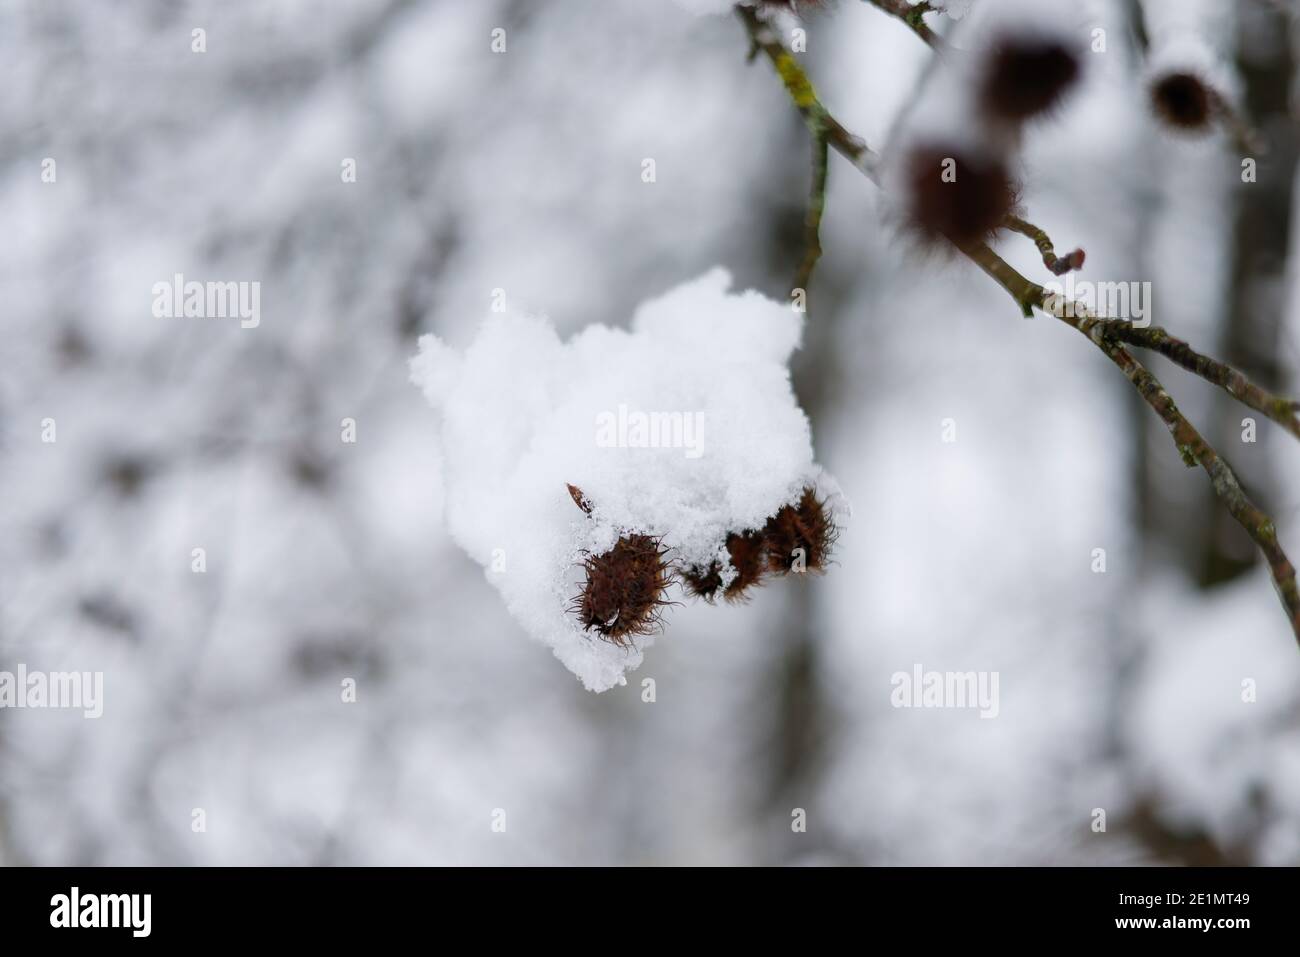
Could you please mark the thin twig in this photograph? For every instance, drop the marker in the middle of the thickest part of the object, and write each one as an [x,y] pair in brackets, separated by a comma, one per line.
[802,94]
[813,218]
[1028,295]
[1278,408]
[1107,334]
[1196,451]
[1058,265]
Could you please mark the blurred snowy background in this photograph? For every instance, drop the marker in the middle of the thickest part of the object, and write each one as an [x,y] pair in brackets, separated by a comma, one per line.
[522,171]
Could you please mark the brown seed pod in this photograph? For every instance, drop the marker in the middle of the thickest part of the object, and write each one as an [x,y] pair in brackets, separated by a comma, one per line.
[1027,75]
[747,558]
[579,499]
[1184,101]
[703,582]
[625,588]
[806,525]
[956,193]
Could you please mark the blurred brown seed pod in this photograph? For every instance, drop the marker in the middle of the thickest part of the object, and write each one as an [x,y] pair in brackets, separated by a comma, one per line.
[1026,75]
[1184,101]
[956,193]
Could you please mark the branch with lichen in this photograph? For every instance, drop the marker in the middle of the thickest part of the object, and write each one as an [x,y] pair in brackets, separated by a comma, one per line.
[1196,451]
[804,97]
[1029,296]
[1280,409]
[1109,335]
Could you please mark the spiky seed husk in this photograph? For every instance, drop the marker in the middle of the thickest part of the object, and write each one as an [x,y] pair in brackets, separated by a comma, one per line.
[625,589]
[746,551]
[806,525]
[703,581]
[747,558]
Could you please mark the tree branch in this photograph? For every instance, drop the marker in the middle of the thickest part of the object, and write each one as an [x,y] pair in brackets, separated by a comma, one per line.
[1059,265]
[1276,407]
[813,218]
[802,94]
[1109,335]
[1195,450]
[1029,296]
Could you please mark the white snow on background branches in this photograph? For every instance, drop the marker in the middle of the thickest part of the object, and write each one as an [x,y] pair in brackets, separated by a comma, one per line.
[956,9]
[1228,752]
[524,414]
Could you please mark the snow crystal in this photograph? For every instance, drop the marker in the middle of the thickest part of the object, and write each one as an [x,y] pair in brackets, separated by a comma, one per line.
[685,427]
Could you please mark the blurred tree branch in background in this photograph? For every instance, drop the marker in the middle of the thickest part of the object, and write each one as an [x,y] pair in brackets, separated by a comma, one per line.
[1108,334]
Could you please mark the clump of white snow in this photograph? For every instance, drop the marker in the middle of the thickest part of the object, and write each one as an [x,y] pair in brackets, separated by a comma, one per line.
[685,428]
